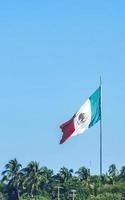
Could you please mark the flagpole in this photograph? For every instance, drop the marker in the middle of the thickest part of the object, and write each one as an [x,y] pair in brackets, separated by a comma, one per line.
[101,128]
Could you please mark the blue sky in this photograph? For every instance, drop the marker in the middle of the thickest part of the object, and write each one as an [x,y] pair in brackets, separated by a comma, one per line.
[52,54]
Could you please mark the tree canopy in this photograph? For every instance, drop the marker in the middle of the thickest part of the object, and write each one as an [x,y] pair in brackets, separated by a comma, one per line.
[33,182]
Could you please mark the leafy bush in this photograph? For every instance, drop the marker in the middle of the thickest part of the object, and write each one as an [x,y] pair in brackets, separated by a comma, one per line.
[107,196]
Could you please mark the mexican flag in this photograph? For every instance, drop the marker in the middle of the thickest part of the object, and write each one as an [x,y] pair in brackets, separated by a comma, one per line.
[88,115]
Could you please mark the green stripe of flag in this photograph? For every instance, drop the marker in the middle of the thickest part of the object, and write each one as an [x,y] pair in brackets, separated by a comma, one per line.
[95,100]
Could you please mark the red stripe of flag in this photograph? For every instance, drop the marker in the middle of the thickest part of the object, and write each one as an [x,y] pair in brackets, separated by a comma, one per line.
[67,129]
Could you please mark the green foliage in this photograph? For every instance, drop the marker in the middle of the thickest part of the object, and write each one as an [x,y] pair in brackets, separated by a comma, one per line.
[116,188]
[83,174]
[39,197]
[40,183]
[32,179]
[12,178]
[107,196]
[2,197]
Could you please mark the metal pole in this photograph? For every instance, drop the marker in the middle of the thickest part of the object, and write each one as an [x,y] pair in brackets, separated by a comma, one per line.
[100,127]
[73,194]
[59,192]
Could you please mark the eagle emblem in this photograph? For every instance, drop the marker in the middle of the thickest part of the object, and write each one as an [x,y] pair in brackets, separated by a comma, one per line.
[82,117]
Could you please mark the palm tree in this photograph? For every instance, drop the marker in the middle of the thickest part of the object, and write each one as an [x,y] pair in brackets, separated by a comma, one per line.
[83,174]
[47,179]
[46,174]
[113,172]
[32,179]
[106,179]
[65,174]
[12,176]
[122,173]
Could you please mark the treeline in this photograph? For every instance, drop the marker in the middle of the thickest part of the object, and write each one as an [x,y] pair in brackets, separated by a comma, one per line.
[40,183]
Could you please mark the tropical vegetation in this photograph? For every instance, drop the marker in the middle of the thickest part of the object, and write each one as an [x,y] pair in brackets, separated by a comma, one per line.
[40,183]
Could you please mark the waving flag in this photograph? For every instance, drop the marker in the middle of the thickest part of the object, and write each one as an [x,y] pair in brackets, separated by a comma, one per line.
[88,115]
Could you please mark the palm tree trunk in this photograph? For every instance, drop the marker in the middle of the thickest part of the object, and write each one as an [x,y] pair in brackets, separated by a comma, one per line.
[18,195]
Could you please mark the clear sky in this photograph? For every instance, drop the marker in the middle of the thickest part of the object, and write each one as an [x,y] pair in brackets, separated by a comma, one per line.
[51,56]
